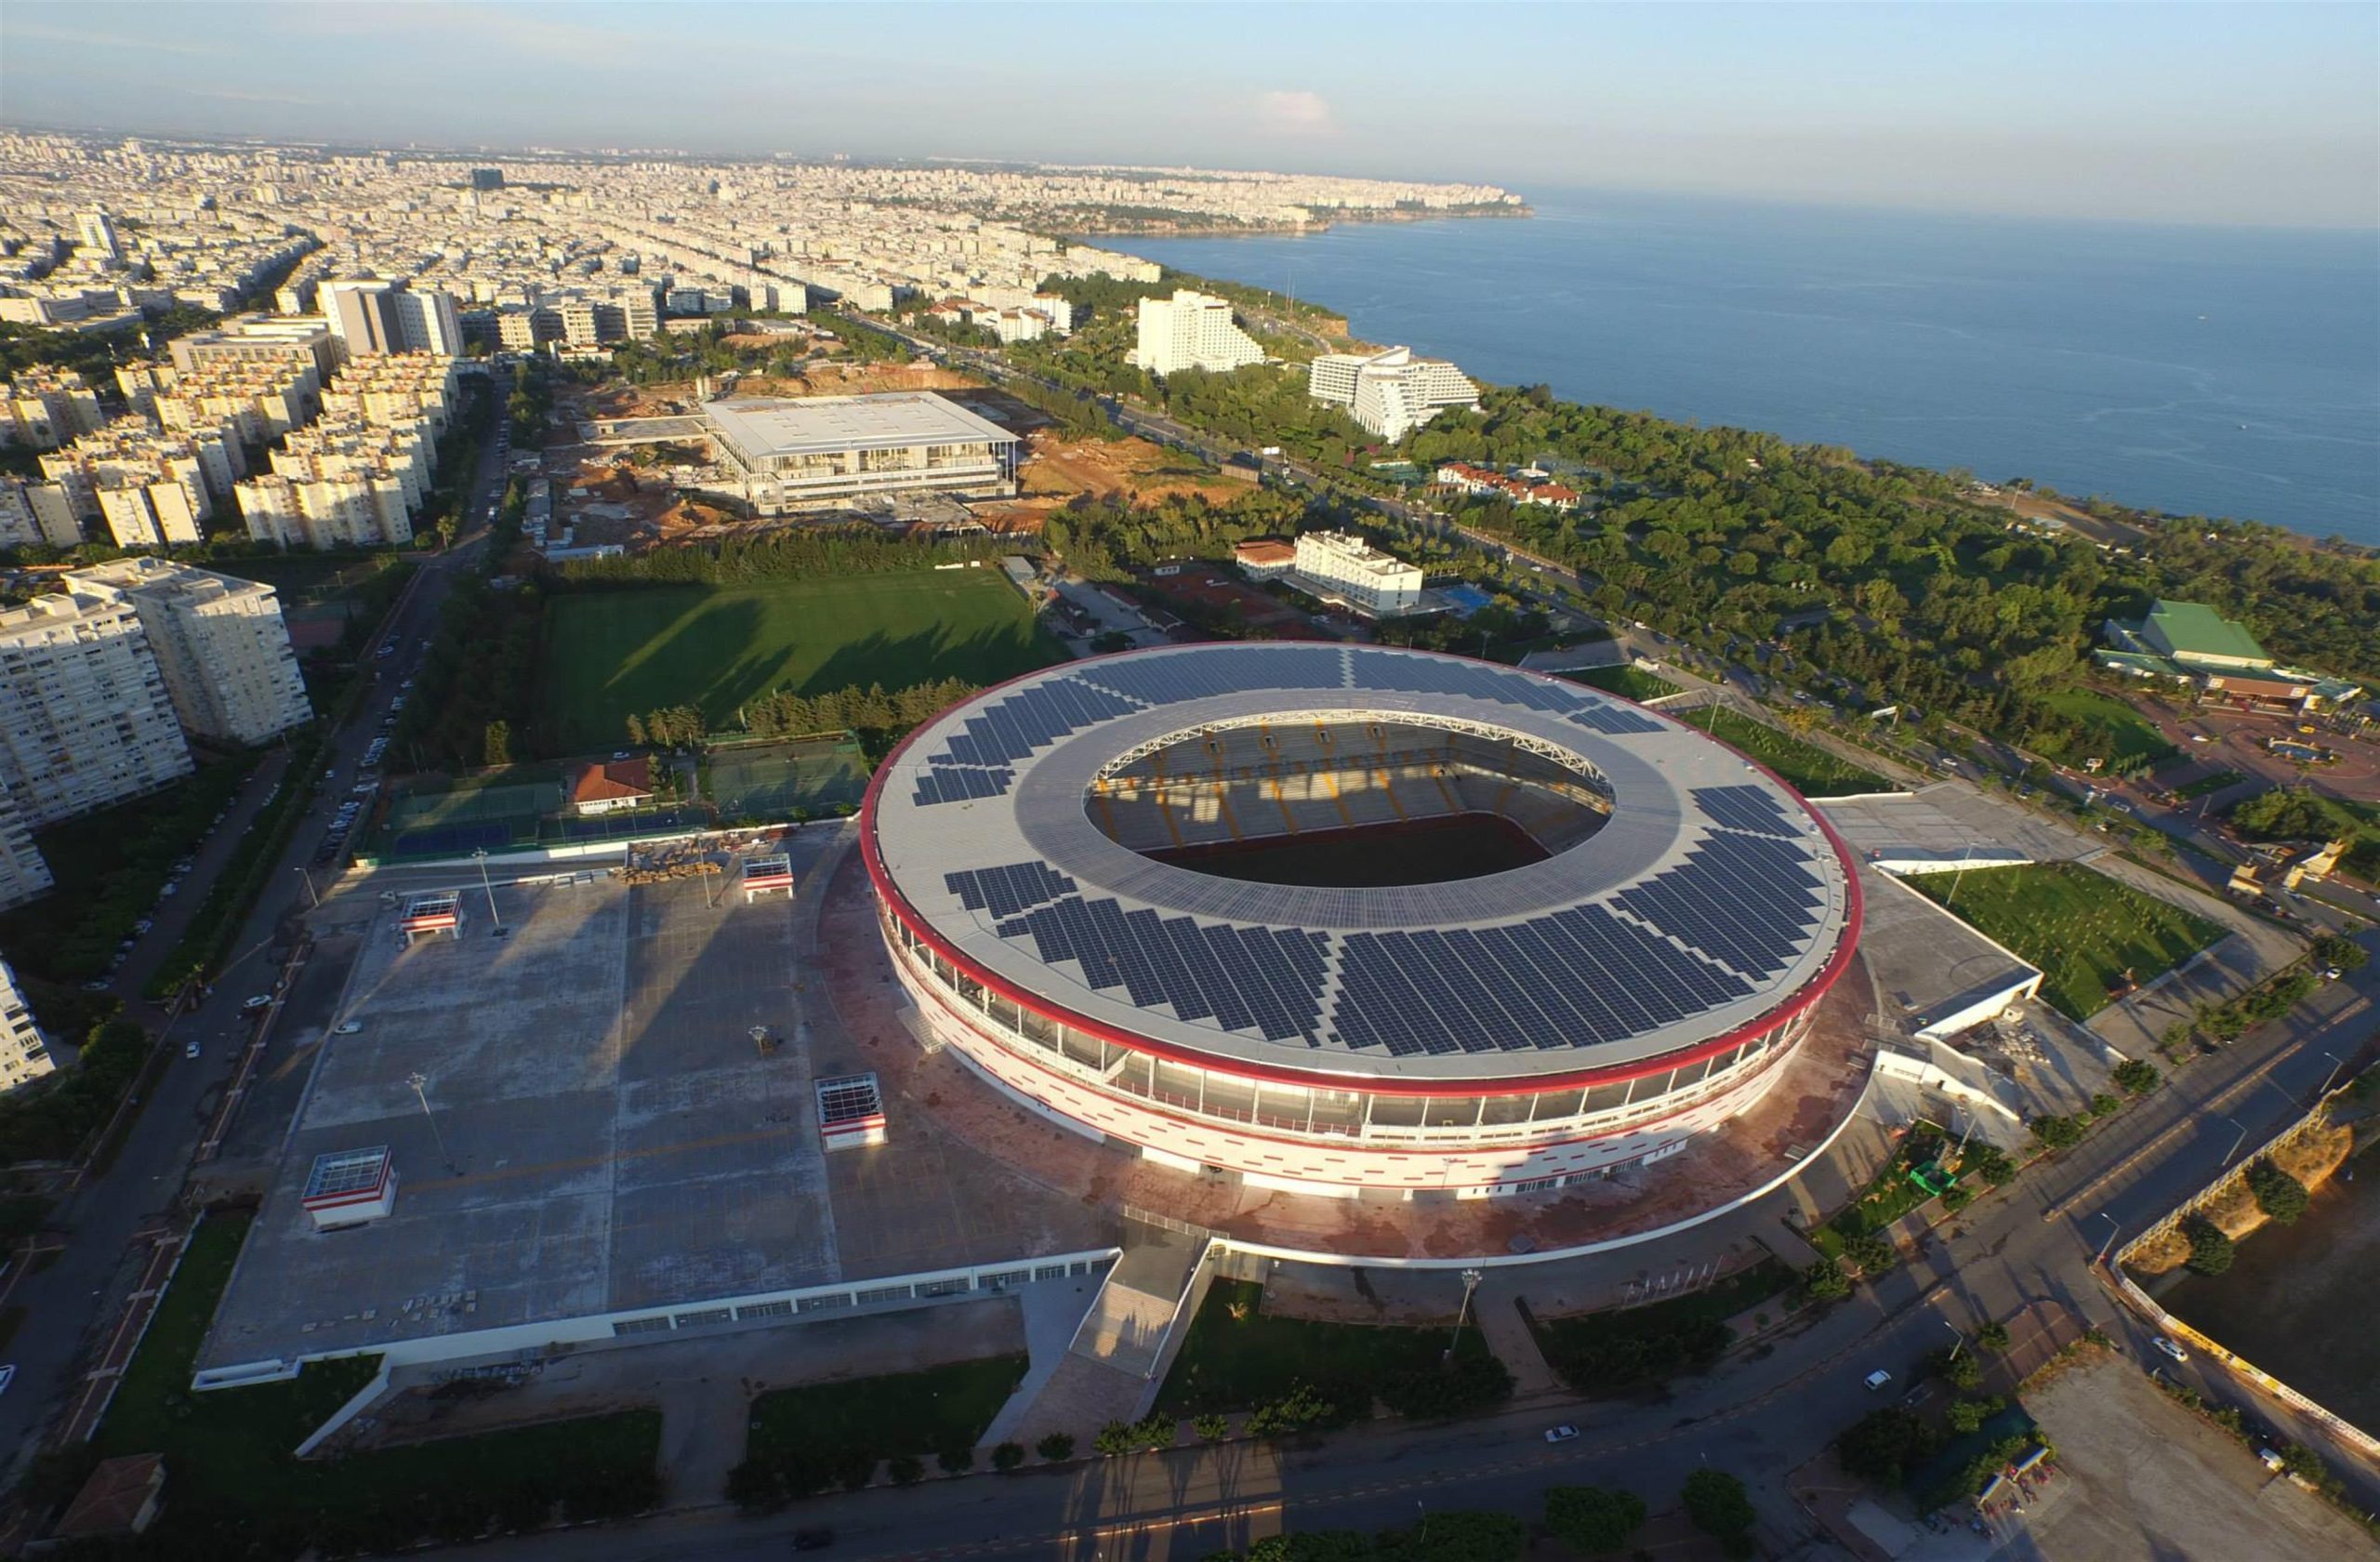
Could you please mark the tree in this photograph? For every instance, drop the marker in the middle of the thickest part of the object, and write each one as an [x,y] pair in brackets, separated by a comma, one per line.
[1958,1366]
[1884,1446]
[1056,1448]
[1825,1281]
[2282,1197]
[635,730]
[2056,1131]
[1211,1428]
[1993,1336]
[2104,1105]
[955,1461]
[1716,1503]
[2210,1246]
[1968,1414]
[2137,1077]
[496,743]
[907,1469]
[1007,1457]
[1592,1520]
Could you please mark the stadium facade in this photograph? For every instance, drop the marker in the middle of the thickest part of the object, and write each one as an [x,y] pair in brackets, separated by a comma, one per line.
[1205,901]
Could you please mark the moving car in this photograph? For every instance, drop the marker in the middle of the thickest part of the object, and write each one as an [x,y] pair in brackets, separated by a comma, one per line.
[261,1000]
[2170,1349]
[1877,1379]
[1561,1433]
[347,1027]
[189,1049]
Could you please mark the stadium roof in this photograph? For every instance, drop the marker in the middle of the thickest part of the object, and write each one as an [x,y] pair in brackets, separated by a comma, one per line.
[1709,900]
[821,425]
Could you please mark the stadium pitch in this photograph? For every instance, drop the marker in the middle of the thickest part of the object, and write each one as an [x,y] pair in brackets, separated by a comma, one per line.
[612,654]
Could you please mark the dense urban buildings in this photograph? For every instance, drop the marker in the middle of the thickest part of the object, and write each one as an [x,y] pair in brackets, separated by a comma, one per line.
[85,716]
[1564,935]
[1390,392]
[790,455]
[220,643]
[24,1054]
[1191,331]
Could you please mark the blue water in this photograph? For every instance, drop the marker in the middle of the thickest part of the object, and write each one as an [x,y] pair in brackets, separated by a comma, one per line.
[2203,371]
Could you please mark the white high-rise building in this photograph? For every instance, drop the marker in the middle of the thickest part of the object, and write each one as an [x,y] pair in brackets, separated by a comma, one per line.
[95,233]
[85,718]
[24,1053]
[1191,331]
[220,641]
[428,322]
[1390,392]
[23,874]
[1345,565]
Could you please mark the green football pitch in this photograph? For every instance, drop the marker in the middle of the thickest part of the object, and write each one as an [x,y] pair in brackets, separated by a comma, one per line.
[612,654]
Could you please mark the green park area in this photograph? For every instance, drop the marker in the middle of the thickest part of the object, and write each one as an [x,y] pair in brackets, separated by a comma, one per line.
[1237,1356]
[2130,741]
[611,655]
[1633,1350]
[237,1489]
[2085,931]
[1627,682]
[827,1434]
[1809,770]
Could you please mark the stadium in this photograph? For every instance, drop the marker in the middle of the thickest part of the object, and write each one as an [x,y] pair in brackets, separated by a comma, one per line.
[1346,920]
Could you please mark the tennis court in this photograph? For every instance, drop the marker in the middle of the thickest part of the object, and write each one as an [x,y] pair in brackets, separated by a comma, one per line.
[777,780]
[468,819]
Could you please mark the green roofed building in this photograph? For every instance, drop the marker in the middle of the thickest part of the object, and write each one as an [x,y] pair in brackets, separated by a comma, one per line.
[2192,644]
[2192,634]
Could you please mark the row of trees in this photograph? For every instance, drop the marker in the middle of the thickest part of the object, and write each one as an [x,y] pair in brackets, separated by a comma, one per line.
[870,711]
[1100,536]
[793,553]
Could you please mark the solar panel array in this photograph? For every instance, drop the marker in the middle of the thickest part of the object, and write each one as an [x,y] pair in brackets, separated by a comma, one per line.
[1576,978]
[1003,892]
[978,761]
[1745,808]
[1266,979]
[1748,900]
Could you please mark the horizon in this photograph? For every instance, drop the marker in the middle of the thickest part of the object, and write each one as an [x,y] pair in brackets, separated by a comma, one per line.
[2216,115]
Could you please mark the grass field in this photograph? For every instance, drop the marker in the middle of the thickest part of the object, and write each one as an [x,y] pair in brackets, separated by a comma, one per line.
[2135,742]
[2207,785]
[1610,1355]
[234,1479]
[1238,1356]
[2082,929]
[1809,770]
[824,1427]
[612,654]
[1628,683]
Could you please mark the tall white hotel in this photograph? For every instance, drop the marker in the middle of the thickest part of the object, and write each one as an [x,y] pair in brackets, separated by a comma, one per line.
[1191,331]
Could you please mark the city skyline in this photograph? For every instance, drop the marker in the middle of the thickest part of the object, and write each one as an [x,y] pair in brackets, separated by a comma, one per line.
[2230,114]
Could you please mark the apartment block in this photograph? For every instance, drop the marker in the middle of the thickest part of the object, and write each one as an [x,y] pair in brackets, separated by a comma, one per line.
[221,642]
[45,408]
[85,717]
[23,875]
[1341,565]
[1191,331]
[24,1053]
[301,340]
[1390,392]
[362,312]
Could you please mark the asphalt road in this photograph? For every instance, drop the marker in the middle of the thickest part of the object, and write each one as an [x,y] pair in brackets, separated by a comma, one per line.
[1759,1415]
[73,1303]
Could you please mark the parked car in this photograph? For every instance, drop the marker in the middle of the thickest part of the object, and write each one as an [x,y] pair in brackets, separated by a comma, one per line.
[1561,1434]
[347,1027]
[1877,1379]
[143,925]
[189,1049]
[2169,1348]
[94,985]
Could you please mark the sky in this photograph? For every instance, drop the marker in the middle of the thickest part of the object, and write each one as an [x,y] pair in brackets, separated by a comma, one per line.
[2262,114]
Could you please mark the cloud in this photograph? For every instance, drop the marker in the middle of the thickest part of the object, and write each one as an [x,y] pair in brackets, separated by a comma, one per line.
[1294,113]
[45,33]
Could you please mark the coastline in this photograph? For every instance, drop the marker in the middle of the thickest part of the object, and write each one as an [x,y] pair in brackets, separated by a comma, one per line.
[1157,230]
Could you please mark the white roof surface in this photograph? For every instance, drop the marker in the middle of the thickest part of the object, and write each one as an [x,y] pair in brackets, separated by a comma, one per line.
[818,425]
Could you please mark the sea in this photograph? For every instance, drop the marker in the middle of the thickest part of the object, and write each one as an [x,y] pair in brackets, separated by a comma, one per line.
[2203,371]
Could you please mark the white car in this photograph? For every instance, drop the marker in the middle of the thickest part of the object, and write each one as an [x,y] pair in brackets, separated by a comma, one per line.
[189,1049]
[2169,1348]
[261,1000]
[1561,1434]
[347,1027]
[2198,737]
[1877,1379]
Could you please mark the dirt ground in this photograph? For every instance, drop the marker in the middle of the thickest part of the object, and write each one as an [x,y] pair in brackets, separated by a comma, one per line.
[1064,468]
[2145,1481]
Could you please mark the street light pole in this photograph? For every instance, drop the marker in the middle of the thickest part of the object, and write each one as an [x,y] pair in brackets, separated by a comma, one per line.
[1955,1334]
[311,896]
[479,853]
[421,1082]
[2101,1257]
[2337,1063]
[1471,1279]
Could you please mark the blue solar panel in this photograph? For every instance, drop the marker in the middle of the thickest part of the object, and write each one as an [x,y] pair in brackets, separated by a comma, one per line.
[1269,979]
[1005,890]
[1221,671]
[1750,902]
[1745,808]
